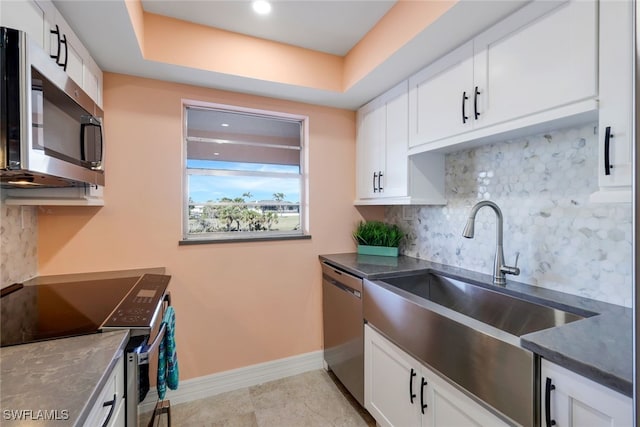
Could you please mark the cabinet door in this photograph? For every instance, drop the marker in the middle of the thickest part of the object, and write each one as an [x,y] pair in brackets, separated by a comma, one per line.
[26,15]
[615,104]
[576,401]
[118,418]
[72,51]
[452,407]
[391,379]
[441,99]
[93,81]
[394,182]
[536,60]
[75,66]
[370,149]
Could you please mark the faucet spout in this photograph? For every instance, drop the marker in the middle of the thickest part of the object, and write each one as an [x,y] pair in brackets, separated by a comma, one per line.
[499,267]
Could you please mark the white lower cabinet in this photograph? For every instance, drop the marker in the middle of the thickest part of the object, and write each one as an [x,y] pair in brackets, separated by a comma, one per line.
[400,391]
[575,401]
[109,408]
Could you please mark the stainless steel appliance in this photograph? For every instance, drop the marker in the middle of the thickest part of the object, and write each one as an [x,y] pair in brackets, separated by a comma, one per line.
[343,328]
[46,311]
[50,129]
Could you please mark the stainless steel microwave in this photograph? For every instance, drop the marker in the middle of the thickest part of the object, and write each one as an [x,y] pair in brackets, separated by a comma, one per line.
[50,129]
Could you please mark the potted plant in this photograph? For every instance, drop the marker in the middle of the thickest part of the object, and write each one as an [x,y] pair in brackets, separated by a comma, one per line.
[378,238]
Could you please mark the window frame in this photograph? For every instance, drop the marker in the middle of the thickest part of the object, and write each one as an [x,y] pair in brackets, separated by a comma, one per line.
[246,236]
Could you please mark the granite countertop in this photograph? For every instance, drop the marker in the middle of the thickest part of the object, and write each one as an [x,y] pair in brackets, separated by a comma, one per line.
[598,347]
[62,377]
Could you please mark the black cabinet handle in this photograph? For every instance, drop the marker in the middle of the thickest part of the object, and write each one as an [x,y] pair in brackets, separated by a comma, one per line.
[607,140]
[111,403]
[475,102]
[380,182]
[66,52]
[56,32]
[464,99]
[412,395]
[547,403]
[375,175]
[422,404]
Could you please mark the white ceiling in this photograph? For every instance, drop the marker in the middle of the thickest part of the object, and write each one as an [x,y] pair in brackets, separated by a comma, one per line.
[106,30]
[324,25]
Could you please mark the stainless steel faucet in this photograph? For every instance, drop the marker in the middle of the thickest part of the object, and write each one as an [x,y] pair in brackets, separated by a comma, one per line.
[499,268]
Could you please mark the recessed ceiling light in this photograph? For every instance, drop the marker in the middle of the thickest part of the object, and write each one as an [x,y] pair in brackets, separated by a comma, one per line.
[225,125]
[261,7]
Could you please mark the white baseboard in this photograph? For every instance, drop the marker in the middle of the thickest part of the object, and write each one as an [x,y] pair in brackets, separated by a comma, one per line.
[210,385]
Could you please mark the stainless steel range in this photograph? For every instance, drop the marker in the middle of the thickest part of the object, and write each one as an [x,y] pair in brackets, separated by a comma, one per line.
[58,310]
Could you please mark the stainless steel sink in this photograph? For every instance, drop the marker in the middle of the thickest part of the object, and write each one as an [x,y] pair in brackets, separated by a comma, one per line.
[467,333]
[507,313]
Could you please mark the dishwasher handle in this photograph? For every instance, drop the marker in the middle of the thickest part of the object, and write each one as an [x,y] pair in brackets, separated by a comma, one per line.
[356,293]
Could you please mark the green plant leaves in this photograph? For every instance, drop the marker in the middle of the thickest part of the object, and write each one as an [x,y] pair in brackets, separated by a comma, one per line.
[378,233]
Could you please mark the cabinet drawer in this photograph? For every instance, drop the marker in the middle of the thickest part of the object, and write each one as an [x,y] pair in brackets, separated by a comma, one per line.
[110,400]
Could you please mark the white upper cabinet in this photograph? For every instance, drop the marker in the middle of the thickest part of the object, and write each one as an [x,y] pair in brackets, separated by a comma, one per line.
[525,66]
[396,137]
[575,401]
[616,102]
[25,15]
[537,66]
[440,98]
[370,148]
[384,172]
[42,21]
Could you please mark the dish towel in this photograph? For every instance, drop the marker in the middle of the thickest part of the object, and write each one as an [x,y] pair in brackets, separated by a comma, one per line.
[168,375]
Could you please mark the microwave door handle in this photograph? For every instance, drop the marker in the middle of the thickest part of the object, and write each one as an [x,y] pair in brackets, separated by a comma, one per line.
[95,165]
[83,155]
[98,164]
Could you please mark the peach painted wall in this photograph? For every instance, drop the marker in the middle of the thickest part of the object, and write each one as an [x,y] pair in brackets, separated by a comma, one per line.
[237,304]
[237,54]
[404,21]
[163,39]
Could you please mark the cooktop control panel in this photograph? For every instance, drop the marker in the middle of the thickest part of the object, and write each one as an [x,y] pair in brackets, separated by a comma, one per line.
[141,305]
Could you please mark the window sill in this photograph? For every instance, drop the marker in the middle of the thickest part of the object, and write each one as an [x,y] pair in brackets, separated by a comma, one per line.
[243,240]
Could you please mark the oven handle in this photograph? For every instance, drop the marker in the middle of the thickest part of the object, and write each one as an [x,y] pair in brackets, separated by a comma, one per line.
[145,351]
[143,356]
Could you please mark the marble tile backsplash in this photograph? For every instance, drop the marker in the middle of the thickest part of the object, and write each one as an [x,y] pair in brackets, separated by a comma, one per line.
[18,243]
[542,184]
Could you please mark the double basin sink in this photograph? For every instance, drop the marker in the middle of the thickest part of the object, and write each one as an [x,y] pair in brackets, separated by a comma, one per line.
[469,333]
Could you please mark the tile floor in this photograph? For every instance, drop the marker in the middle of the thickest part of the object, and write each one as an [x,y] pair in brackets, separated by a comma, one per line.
[312,399]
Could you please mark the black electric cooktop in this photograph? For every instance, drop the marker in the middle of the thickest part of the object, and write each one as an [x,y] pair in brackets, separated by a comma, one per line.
[48,311]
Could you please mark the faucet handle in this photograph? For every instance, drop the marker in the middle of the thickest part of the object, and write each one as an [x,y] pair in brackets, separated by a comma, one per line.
[512,270]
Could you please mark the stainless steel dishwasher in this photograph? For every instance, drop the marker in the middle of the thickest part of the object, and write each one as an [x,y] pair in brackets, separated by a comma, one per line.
[343,328]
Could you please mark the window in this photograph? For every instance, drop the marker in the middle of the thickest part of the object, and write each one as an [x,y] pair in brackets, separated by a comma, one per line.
[243,174]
